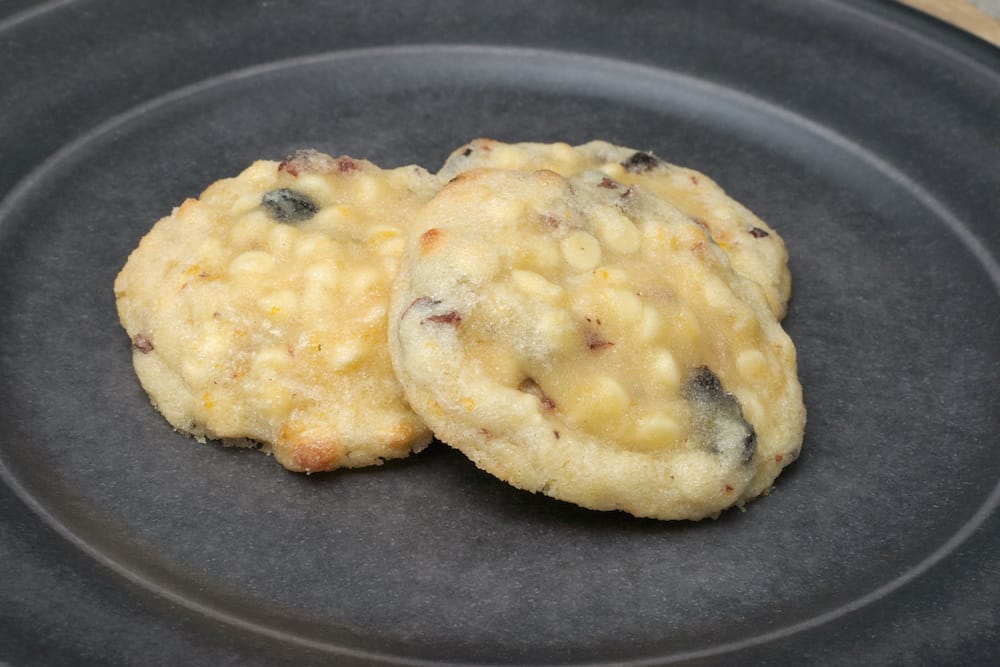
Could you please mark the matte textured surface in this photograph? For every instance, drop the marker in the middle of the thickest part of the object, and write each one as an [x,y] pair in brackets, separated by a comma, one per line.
[866,134]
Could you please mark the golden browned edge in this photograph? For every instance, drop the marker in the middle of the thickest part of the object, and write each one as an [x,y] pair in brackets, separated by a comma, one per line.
[961,14]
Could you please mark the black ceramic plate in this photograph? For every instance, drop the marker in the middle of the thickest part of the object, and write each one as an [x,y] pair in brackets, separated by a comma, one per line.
[867,134]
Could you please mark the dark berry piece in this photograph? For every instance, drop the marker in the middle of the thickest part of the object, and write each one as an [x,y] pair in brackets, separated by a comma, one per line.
[758,233]
[718,417]
[285,205]
[703,386]
[640,162]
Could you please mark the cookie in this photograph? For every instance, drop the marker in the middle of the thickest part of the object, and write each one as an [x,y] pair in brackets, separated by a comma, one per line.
[257,312]
[754,248]
[585,339]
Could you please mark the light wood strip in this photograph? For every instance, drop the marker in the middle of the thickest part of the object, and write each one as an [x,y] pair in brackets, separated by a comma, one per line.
[962,14]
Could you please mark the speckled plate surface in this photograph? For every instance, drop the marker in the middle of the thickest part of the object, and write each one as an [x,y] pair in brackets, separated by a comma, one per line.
[865,133]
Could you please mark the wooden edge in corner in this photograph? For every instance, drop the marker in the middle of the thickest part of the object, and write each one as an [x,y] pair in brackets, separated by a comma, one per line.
[961,14]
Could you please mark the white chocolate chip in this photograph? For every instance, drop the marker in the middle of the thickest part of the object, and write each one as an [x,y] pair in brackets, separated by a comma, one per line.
[611,276]
[336,215]
[279,304]
[684,326]
[379,233]
[252,261]
[697,474]
[614,170]
[316,299]
[657,431]
[542,254]
[717,293]
[311,184]
[272,357]
[368,187]
[581,250]
[553,330]
[361,281]
[618,232]
[245,203]
[753,411]
[650,325]
[343,355]
[751,363]
[665,370]
[506,210]
[392,247]
[376,313]
[317,247]
[601,399]
[622,307]
[322,273]
[534,285]
[282,238]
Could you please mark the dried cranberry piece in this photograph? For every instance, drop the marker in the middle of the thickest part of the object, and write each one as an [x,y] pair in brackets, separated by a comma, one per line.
[141,342]
[529,386]
[451,317]
[308,161]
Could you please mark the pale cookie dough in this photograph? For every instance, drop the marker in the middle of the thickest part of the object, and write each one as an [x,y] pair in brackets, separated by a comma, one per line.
[257,312]
[755,250]
[585,339]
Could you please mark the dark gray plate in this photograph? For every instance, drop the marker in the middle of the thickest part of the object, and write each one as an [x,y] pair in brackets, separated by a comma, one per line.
[868,135]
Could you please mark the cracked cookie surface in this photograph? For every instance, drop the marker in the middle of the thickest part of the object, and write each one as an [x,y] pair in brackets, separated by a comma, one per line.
[257,312]
[755,250]
[592,343]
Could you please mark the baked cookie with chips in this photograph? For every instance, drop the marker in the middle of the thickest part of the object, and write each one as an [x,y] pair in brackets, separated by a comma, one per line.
[755,250]
[257,312]
[583,338]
